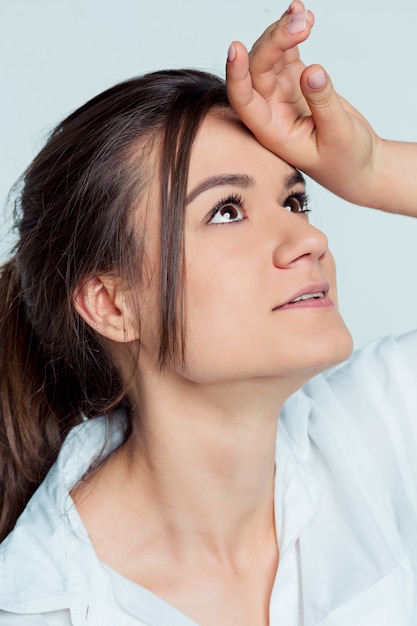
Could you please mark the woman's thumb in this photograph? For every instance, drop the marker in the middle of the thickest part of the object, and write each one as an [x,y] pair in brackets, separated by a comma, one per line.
[325,105]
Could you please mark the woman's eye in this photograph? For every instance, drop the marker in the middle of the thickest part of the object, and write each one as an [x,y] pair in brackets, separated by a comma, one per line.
[296,203]
[227,211]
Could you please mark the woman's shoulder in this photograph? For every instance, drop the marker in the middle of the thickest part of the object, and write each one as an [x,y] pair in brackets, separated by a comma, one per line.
[383,370]
[49,538]
[33,557]
[366,409]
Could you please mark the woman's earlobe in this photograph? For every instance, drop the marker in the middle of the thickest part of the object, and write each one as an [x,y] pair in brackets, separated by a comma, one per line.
[102,303]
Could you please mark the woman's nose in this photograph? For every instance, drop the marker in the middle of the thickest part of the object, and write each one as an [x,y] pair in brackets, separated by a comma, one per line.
[298,240]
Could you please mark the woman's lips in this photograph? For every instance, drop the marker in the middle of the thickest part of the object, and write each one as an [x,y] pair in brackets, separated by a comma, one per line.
[313,295]
[322,302]
[310,296]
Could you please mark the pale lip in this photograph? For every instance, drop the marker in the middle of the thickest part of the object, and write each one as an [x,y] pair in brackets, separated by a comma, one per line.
[315,288]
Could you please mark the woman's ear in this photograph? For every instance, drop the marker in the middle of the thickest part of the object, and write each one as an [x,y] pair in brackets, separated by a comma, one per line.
[105,306]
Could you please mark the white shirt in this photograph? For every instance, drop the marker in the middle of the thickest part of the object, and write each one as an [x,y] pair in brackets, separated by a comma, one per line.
[345,505]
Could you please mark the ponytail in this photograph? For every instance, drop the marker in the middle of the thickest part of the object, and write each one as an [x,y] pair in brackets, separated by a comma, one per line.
[30,432]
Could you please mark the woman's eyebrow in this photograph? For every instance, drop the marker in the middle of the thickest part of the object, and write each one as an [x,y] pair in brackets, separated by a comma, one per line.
[235,180]
[238,180]
[295,178]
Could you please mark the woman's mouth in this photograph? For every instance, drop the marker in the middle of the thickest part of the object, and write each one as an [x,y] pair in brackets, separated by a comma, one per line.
[308,296]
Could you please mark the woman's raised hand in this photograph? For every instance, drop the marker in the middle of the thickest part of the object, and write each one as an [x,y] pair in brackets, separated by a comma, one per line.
[295,112]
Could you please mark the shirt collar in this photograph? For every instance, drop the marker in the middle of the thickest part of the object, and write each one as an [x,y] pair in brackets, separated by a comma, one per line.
[297,492]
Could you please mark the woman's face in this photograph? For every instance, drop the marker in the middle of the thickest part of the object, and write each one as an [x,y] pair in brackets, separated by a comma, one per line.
[260,289]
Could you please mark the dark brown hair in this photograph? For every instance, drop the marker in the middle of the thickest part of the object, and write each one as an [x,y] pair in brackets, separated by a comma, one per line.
[74,221]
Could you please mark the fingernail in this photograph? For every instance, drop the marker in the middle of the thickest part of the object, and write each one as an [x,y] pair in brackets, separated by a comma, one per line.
[298,22]
[317,80]
[231,53]
[296,27]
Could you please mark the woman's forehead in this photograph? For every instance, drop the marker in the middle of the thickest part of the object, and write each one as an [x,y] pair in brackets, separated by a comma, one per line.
[225,147]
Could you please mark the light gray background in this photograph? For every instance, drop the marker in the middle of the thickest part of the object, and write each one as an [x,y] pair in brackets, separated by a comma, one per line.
[55,54]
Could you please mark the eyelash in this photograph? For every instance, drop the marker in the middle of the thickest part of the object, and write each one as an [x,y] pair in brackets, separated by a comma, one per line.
[237,201]
[302,199]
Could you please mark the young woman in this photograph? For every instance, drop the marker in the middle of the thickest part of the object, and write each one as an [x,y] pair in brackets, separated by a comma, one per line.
[166,301]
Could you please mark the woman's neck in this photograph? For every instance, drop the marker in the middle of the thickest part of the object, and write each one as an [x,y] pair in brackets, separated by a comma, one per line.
[196,476]
[205,458]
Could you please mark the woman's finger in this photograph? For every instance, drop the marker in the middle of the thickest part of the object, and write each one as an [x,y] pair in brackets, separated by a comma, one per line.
[330,115]
[247,103]
[277,46]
